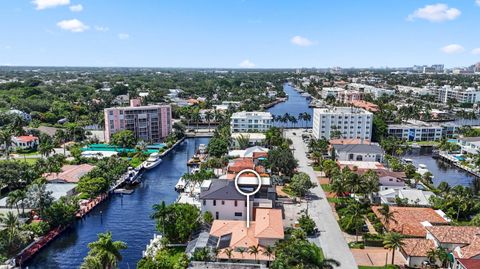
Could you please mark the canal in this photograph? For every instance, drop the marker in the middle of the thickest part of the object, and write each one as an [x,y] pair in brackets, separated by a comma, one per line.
[294,105]
[126,217]
[441,170]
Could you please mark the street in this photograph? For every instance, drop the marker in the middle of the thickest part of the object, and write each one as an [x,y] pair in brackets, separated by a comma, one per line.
[331,239]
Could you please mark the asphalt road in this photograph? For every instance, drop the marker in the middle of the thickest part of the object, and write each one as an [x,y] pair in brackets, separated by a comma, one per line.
[331,239]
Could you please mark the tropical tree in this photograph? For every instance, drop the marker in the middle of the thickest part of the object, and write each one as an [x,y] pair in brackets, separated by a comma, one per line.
[243,141]
[393,241]
[229,253]
[268,251]
[6,141]
[300,184]
[46,146]
[125,139]
[388,216]
[240,250]
[104,251]
[254,250]
[208,118]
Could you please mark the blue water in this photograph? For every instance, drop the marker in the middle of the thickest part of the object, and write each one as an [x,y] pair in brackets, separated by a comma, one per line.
[295,105]
[127,218]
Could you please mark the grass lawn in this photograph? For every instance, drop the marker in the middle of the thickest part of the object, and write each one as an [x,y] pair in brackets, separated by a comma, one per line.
[334,199]
[327,187]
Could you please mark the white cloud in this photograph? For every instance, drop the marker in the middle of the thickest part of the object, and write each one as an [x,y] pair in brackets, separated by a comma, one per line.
[476,51]
[247,64]
[76,8]
[43,4]
[477,2]
[73,25]
[101,28]
[453,48]
[123,36]
[435,13]
[301,41]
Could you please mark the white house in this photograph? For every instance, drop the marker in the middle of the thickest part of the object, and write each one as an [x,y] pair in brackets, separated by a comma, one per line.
[253,138]
[359,152]
[411,196]
[24,142]
[224,202]
[351,122]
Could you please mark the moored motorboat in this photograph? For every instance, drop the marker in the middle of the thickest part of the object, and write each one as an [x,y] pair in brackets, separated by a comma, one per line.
[180,186]
[152,161]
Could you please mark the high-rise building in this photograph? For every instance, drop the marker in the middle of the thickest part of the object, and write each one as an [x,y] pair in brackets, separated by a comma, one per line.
[149,123]
[251,121]
[348,122]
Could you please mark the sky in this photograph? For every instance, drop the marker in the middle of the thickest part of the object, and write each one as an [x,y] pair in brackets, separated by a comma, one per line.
[239,33]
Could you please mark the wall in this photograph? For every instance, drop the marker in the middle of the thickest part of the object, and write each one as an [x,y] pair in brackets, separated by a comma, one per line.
[228,209]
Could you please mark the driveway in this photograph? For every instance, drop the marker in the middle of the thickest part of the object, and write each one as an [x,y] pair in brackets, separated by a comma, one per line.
[377,257]
[331,239]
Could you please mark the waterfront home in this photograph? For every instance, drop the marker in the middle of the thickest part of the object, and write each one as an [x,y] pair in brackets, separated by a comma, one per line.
[411,221]
[359,152]
[415,132]
[59,190]
[415,251]
[224,202]
[253,139]
[365,105]
[69,173]
[265,230]
[469,144]
[25,142]
[409,196]
[388,182]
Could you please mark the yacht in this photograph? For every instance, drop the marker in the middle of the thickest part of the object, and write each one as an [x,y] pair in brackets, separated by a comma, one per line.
[152,161]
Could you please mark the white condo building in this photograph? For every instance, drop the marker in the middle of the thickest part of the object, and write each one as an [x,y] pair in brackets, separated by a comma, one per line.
[443,94]
[350,121]
[251,121]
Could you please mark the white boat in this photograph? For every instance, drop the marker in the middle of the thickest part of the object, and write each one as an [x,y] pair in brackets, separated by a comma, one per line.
[408,160]
[422,169]
[202,149]
[180,186]
[152,161]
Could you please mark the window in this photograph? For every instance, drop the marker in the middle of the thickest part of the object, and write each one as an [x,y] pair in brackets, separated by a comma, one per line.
[214,202]
[204,202]
[238,214]
[223,202]
[236,202]
[216,215]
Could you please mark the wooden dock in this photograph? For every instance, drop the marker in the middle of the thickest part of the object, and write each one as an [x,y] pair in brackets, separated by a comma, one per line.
[452,160]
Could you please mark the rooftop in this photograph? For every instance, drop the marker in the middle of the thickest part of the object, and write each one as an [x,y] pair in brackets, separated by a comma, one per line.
[26,138]
[408,220]
[342,110]
[352,141]
[359,148]
[454,234]
[417,247]
[222,189]
[70,173]
[469,263]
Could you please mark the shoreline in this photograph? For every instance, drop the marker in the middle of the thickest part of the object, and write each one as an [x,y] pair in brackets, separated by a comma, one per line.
[39,244]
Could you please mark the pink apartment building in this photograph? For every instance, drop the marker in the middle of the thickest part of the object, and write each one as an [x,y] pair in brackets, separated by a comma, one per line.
[148,123]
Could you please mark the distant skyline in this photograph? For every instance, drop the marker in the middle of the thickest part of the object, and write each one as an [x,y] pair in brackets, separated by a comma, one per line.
[239,33]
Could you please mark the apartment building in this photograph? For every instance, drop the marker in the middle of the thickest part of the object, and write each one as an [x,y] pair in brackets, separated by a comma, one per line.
[368,89]
[251,121]
[415,132]
[149,123]
[351,122]
[447,92]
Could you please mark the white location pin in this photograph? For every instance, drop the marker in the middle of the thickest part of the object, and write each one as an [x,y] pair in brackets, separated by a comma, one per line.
[259,183]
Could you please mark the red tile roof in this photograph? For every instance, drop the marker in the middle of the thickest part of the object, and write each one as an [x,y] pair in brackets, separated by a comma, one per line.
[26,138]
[408,220]
[70,173]
[241,164]
[454,234]
[417,247]
[469,263]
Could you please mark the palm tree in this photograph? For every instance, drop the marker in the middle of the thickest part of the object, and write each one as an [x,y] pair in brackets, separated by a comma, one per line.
[13,199]
[254,250]
[393,241]
[62,137]
[141,147]
[6,141]
[196,117]
[328,264]
[240,250]
[243,141]
[91,262]
[208,118]
[388,216]
[269,251]
[229,253]
[11,223]
[106,251]
[46,146]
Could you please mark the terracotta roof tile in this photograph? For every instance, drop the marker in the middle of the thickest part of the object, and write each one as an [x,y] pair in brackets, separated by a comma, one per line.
[70,173]
[409,219]
[472,250]
[417,247]
[469,263]
[455,234]
[269,223]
